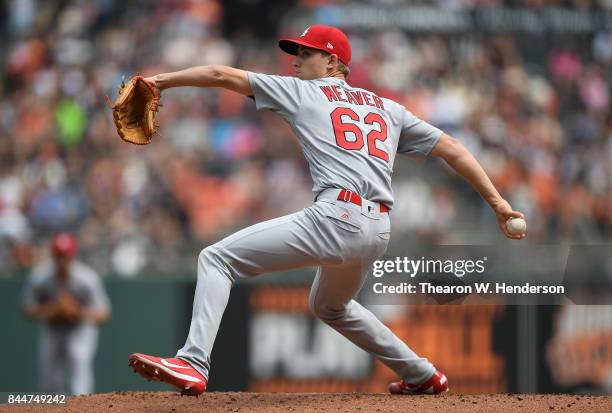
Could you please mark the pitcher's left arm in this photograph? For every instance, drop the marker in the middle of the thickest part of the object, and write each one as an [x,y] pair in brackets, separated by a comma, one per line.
[205,76]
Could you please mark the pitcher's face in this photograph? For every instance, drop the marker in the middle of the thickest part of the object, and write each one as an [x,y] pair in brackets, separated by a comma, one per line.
[310,63]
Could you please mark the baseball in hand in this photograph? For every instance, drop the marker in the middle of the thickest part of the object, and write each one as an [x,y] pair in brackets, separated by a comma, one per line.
[516,226]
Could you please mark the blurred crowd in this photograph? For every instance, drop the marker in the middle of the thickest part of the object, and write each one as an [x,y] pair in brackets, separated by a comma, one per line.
[534,111]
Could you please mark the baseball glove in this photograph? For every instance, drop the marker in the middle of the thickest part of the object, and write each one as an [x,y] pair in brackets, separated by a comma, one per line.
[134,111]
[66,309]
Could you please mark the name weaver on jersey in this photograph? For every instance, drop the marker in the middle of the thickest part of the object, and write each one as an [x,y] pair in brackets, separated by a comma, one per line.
[335,93]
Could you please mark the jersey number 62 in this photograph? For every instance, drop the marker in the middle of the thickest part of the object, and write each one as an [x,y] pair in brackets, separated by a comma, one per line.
[341,128]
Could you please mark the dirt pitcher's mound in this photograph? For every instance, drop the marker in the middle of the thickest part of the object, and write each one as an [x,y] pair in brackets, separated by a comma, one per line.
[322,402]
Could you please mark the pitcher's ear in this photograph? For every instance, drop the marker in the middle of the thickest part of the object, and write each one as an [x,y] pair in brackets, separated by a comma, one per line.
[333,60]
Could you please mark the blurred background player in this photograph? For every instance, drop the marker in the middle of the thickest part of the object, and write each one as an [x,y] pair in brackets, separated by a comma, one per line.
[68,297]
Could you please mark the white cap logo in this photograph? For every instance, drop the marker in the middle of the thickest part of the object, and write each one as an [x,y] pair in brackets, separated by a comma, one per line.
[330,46]
[305,31]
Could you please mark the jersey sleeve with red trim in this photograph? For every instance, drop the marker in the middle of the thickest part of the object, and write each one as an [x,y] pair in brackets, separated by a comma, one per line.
[417,137]
[281,94]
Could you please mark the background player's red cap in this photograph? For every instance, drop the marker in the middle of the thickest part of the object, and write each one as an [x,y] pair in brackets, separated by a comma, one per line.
[64,244]
[327,38]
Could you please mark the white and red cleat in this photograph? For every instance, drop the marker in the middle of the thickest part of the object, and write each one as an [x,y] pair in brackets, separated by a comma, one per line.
[438,383]
[172,371]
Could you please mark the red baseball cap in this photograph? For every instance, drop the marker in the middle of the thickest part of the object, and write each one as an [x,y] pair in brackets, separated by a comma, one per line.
[327,38]
[64,244]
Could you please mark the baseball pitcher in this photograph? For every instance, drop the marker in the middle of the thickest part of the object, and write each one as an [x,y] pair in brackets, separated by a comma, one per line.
[350,137]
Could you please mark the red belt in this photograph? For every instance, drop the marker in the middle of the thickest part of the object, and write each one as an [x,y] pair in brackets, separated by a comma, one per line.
[350,196]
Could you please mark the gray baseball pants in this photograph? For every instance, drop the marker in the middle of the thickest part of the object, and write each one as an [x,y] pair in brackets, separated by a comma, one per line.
[343,240]
[62,350]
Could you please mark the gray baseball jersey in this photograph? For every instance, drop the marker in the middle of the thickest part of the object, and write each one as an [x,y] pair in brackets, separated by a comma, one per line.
[83,283]
[349,135]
